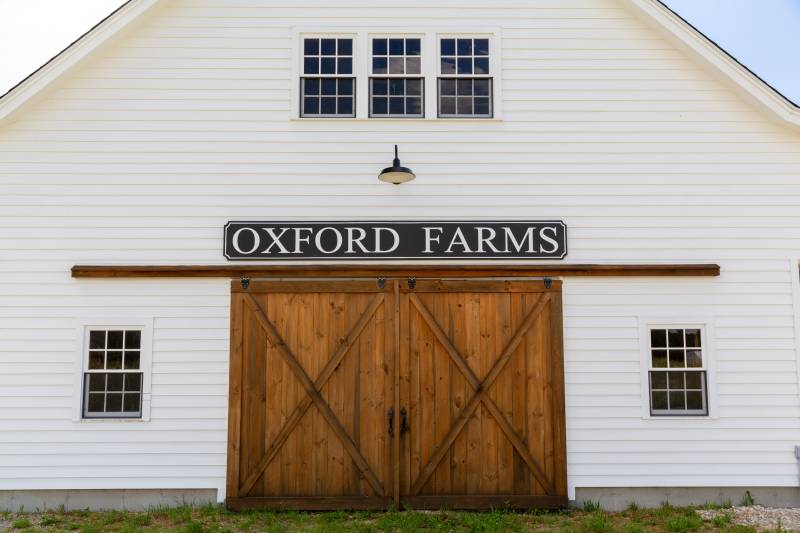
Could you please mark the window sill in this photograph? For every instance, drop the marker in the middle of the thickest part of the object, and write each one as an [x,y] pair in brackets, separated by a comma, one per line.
[396,119]
[680,417]
[109,420]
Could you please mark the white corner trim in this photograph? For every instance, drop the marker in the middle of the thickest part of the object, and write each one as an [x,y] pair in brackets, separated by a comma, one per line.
[706,325]
[145,323]
[47,74]
[749,86]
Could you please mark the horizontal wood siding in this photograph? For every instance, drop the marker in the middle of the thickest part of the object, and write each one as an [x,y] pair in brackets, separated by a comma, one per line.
[184,122]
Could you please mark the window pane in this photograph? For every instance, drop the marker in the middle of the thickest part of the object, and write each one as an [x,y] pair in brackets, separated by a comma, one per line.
[414,106]
[659,359]
[658,380]
[97,382]
[328,86]
[413,87]
[345,87]
[675,338]
[481,65]
[464,106]
[133,382]
[693,338]
[694,400]
[380,86]
[345,47]
[412,65]
[447,87]
[96,360]
[396,87]
[379,65]
[113,403]
[131,403]
[448,47]
[115,340]
[413,47]
[482,106]
[311,47]
[310,106]
[328,106]
[659,401]
[380,106]
[311,65]
[345,65]
[328,47]
[396,47]
[133,340]
[448,106]
[675,380]
[345,106]
[327,65]
[481,87]
[396,105]
[311,86]
[676,359]
[677,400]
[379,47]
[694,359]
[131,360]
[448,65]
[481,47]
[464,87]
[114,382]
[464,47]
[97,339]
[694,380]
[95,404]
[658,338]
[114,360]
[396,65]
[464,65]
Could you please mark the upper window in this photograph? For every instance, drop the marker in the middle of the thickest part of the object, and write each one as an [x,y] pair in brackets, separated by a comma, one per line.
[677,372]
[397,86]
[327,84]
[112,381]
[465,84]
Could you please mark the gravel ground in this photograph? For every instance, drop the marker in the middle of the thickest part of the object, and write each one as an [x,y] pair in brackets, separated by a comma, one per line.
[763,518]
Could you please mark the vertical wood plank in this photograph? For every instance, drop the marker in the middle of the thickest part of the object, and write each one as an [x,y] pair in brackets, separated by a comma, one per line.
[519,397]
[501,391]
[427,378]
[472,355]
[459,391]
[489,429]
[441,391]
[558,414]
[235,397]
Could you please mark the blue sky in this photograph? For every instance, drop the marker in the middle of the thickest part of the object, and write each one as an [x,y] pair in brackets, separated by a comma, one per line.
[762,34]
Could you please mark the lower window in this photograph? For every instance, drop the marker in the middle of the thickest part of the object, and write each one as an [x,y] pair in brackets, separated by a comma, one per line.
[396,97]
[465,97]
[112,381]
[677,376]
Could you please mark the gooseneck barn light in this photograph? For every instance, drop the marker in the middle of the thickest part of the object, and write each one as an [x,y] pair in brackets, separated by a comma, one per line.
[396,174]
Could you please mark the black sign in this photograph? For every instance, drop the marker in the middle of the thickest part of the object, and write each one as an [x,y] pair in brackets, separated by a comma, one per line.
[544,239]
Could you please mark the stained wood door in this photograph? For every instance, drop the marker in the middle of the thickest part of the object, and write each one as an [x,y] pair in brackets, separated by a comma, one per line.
[359,394]
[481,384]
[311,373]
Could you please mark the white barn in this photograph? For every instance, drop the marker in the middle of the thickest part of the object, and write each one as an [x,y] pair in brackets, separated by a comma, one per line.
[653,355]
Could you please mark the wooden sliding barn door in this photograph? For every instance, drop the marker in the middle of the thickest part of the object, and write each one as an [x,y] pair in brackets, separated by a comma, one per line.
[368,394]
[481,384]
[311,380]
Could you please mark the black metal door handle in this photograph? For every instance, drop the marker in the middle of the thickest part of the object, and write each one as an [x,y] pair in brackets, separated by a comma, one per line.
[390,417]
[403,421]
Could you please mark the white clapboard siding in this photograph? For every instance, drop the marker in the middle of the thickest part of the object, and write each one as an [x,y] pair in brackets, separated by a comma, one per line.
[184,122]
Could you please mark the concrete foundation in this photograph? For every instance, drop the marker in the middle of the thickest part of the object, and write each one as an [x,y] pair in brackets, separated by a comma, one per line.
[119,499]
[618,499]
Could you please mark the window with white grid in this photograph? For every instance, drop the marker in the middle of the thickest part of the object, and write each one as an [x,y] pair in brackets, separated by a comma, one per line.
[112,380]
[327,84]
[465,81]
[678,373]
[396,87]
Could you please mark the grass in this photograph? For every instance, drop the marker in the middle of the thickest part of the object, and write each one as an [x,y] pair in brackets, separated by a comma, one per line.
[591,518]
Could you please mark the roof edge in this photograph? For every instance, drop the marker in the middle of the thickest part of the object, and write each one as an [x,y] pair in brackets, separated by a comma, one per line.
[746,83]
[34,84]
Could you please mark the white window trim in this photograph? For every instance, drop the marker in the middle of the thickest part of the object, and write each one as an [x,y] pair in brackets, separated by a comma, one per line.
[82,360]
[362,69]
[707,335]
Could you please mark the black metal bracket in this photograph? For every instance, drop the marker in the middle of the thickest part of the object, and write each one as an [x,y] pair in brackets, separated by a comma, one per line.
[381,283]
[412,282]
[245,282]
[548,282]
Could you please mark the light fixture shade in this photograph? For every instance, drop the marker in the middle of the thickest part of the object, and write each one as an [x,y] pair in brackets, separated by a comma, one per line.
[396,174]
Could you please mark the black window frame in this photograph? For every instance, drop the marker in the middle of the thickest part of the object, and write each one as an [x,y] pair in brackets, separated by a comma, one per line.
[320,76]
[388,76]
[670,350]
[456,76]
[106,372]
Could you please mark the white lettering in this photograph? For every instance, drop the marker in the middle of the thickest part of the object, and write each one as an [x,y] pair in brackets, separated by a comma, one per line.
[548,239]
[431,238]
[299,239]
[486,240]
[458,240]
[235,240]
[318,240]
[395,244]
[351,240]
[509,236]
[276,240]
